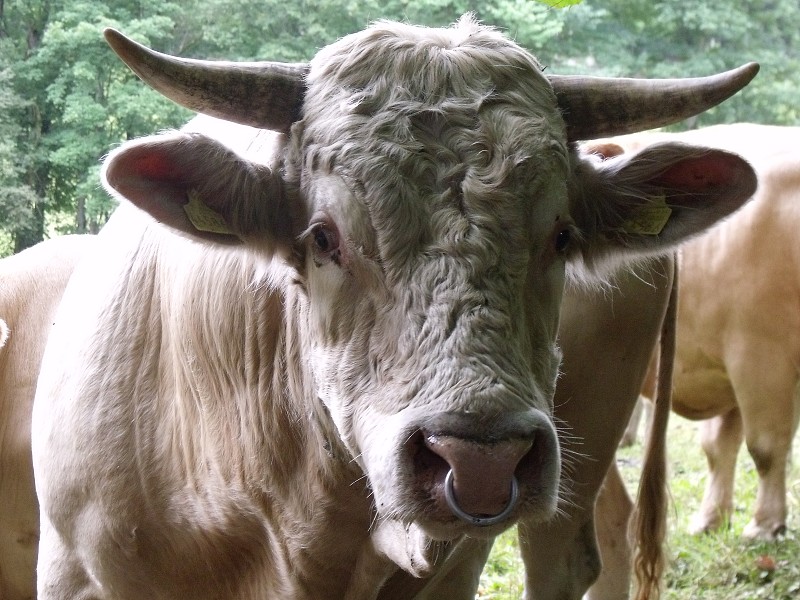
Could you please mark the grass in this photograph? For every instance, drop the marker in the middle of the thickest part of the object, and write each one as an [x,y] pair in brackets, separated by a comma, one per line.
[716,566]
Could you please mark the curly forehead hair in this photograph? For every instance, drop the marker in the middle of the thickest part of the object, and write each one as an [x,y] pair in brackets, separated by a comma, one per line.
[437,116]
[392,63]
[381,83]
[371,84]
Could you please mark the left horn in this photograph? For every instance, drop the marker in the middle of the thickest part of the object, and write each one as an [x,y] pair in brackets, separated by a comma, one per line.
[595,107]
[267,95]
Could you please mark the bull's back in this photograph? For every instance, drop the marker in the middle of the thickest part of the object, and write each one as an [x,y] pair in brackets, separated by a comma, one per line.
[31,285]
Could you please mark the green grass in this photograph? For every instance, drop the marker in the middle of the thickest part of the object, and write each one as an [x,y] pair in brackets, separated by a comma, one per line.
[716,566]
[503,577]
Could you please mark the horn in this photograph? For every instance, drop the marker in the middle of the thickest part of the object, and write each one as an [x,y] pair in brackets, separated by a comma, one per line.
[267,95]
[595,107]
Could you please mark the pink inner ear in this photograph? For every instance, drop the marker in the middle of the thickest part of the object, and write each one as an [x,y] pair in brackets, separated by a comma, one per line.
[605,150]
[701,173]
[156,166]
[150,177]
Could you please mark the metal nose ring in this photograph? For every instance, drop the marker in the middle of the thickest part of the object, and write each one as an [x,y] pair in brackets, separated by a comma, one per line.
[450,496]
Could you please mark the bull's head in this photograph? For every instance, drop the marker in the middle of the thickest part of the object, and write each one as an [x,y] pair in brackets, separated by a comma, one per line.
[428,200]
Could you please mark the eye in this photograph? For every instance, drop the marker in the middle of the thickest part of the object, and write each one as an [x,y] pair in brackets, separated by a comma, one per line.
[325,239]
[563,239]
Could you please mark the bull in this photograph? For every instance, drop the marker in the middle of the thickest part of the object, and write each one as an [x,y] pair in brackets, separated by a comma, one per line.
[322,361]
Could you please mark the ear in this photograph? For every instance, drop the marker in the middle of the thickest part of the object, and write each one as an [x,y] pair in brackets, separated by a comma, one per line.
[202,189]
[647,203]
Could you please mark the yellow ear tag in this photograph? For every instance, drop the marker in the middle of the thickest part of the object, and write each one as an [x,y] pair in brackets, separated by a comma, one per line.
[649,219]
[203,217]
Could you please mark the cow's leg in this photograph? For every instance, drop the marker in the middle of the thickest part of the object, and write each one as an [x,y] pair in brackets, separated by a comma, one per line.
[19,530]
[766,401]
[642,413]
[644,405]
[720,438]
[613,511]
[607,347]
[19,514]
[632,430]
[561,560]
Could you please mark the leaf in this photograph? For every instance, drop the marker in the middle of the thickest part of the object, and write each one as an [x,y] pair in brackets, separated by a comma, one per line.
[560,3]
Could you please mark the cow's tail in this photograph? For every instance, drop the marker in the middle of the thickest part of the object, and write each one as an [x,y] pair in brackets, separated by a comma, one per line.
[650,519]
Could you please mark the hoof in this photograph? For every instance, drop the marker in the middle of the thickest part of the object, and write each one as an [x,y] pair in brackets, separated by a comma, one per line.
[765,532]
[702,524]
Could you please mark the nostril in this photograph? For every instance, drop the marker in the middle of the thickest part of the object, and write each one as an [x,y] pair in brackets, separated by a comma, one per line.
[458,466]
[429,467]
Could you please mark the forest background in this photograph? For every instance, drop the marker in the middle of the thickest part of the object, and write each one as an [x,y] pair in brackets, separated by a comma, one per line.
[66,100]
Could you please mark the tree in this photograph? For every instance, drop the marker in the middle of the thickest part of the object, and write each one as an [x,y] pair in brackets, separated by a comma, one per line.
[673,38]
[92,101]
[18,201]
[21,190]
[67,100]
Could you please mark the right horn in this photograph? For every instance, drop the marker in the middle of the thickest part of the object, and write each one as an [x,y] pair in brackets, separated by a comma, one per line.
[267,95]
[595,107]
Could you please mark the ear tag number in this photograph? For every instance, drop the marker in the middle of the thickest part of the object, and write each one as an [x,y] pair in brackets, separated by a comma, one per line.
[203,217]
[649,219]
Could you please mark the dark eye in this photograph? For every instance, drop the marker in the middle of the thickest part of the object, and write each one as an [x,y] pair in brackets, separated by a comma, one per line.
[563,238]
[325,239]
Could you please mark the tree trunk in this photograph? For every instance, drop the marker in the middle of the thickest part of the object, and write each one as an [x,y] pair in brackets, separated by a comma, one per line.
[33,233]
[80,215]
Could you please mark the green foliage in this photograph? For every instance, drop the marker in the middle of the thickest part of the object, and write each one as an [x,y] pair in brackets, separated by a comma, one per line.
[503,577]
[71,101]
[65,99]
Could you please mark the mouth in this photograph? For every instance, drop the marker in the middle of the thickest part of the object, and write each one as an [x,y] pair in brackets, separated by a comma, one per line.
[411,547]
[444,525]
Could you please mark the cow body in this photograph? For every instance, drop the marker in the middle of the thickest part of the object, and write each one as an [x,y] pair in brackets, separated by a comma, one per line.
[738,354]
[321,368]
[738,346]
[31,284]
[257,486]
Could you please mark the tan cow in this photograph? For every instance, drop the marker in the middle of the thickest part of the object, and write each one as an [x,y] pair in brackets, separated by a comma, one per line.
[738,342]
[31,284]
[340,373]
[738,356]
